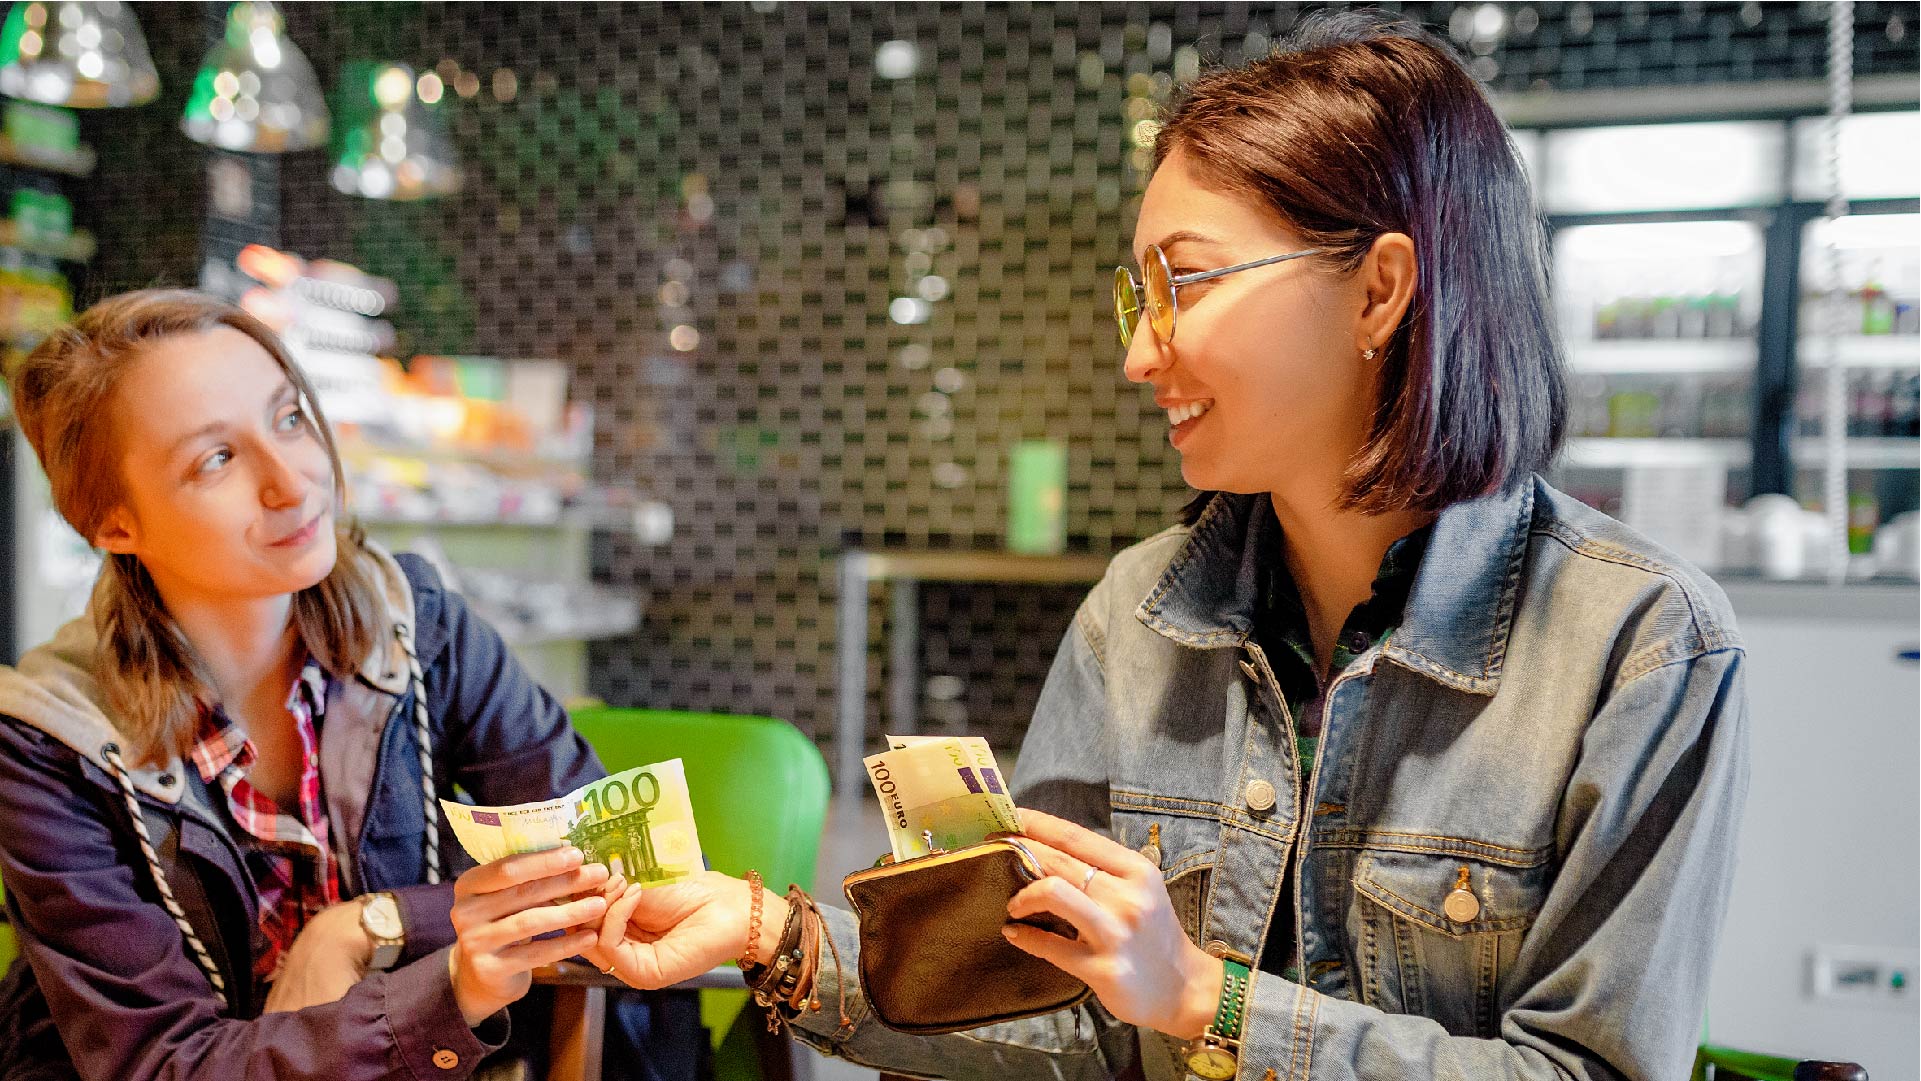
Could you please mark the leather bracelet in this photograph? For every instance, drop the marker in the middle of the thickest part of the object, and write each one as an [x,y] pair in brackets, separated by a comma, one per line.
[790,993]
[754,889]
[776,979]
[802,994]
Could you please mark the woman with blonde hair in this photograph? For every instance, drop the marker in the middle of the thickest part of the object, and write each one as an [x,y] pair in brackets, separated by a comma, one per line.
[219,828]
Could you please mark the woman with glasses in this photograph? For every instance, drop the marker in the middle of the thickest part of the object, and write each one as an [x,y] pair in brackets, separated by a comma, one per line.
[1390,761]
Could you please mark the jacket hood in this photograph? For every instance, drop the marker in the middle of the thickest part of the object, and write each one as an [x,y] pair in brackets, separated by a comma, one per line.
[55,690]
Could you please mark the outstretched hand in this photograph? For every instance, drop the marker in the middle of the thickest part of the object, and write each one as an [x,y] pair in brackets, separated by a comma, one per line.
[659,936]
[499,910]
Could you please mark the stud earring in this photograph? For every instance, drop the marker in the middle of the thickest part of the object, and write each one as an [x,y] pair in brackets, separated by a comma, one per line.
[1368,353]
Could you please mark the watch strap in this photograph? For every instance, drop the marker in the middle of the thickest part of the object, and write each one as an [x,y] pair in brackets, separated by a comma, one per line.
[386,948]
[1231,1014]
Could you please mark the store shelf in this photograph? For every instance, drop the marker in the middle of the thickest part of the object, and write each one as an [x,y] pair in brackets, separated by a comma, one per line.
[1863,453]
[501,461]
[1901,351]
[77,162]
[1663,356]
[524,638]
[610,518]
[1631,453]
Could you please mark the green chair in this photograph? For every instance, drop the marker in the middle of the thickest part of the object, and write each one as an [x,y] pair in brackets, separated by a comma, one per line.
[759,790]
[9,949]
[1726,1064]
[1715,1063]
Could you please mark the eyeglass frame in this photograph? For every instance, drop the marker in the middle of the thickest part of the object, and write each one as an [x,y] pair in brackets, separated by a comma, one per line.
[1174,283]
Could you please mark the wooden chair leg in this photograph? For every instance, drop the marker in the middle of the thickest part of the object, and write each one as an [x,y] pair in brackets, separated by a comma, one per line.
[580,1026]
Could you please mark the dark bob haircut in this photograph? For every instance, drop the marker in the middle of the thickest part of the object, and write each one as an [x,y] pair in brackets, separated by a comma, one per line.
[1359,125]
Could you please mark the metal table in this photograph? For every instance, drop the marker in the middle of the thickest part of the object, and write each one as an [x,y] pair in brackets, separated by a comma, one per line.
[580,1013]
[900,572]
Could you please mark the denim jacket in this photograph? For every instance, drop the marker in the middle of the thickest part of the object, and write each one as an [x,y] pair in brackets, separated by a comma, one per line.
[1558,727]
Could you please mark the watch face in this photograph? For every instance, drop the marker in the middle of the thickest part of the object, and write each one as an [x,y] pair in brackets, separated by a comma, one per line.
[382,917]
[1212,1063]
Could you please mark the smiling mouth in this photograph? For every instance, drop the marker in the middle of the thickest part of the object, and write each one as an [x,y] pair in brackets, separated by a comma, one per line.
[1186,411]
[302,535]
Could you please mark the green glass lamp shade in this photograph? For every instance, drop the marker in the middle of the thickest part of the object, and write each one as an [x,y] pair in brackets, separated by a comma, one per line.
[78,54]
[393,140]
[256,91]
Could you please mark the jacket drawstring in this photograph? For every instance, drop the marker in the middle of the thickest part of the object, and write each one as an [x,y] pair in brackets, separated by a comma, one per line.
[111,755]
[423,737]
[429,801]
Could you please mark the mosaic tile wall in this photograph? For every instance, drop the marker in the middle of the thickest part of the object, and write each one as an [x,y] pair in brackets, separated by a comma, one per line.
[816,282]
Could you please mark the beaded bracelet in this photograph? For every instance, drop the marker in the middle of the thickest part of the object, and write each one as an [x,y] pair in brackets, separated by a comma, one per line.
[746,959]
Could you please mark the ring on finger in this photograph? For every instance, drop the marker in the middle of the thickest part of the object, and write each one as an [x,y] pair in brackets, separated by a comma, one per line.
[1088,880]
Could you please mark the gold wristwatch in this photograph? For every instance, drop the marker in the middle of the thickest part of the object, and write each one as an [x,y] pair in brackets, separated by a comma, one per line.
[1216,1055]
[380,918]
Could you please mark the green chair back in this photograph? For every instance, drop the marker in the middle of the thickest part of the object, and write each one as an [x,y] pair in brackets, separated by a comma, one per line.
[9,949]
[759,791]
[758,786]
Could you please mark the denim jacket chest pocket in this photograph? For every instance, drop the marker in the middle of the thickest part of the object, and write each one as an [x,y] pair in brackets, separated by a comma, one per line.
[1183,846]
[1437,934]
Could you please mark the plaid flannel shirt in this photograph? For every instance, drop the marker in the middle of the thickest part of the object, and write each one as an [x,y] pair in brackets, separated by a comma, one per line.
[287,851]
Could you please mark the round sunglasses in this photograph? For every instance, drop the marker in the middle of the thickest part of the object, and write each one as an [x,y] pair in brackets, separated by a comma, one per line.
[1157,295]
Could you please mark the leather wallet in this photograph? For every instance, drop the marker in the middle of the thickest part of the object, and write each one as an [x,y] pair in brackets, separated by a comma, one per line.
[932,957]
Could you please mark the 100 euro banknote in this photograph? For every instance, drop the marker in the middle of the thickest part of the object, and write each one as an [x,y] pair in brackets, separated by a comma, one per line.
[940,792]
[638,821]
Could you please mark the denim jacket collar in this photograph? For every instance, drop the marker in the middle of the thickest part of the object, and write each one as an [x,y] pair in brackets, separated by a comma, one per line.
[1458,614]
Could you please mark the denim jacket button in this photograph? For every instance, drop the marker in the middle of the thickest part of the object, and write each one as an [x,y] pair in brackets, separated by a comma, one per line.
[1461,906]
[1260,796]
[1216,948]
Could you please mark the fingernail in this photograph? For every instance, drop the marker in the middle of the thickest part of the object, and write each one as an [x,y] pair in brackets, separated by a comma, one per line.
[569,855]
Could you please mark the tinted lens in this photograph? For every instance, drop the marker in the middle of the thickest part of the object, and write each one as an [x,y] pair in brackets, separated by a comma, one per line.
[1127,304]
[1158,279]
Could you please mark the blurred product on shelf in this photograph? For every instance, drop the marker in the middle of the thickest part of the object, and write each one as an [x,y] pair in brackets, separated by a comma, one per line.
[1710,315]
[317,304]
[527,610]
[442,439]
[1679,507]
[1776,537]
[467,439]
[41,216]
[1866,305]
[1672,407]
[43,137]
[1897,546]
[1883,404]
[32,302]
[1685,508]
